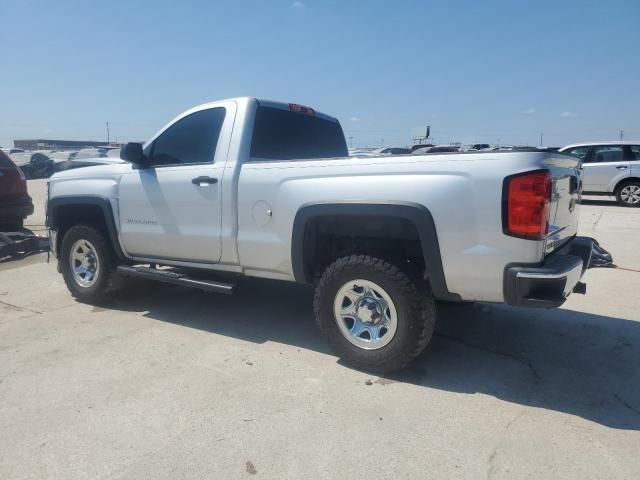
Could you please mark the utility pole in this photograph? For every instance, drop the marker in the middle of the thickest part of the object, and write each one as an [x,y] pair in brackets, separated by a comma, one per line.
[350,142]
[108,133]
[541,135]
[621,134]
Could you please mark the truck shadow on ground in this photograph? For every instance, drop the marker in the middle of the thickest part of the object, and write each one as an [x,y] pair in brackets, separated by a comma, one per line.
[562,360]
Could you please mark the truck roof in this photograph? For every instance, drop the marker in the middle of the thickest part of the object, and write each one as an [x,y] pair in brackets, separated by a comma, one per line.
[266,103]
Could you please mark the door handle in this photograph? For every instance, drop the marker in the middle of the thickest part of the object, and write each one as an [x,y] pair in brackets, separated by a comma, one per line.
[203,181]
[622,167]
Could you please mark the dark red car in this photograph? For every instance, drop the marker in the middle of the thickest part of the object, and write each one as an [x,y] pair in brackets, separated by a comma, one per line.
[15,202]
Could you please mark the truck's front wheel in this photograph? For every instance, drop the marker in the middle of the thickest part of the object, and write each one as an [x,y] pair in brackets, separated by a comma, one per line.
[87,263]
[374,316]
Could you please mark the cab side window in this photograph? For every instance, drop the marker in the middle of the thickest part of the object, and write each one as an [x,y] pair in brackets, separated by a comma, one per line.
[191,140]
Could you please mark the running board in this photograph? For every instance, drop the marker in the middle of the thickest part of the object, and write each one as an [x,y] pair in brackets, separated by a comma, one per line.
[168,276]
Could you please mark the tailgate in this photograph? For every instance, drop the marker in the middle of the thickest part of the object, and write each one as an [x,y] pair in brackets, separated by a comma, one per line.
[565,192]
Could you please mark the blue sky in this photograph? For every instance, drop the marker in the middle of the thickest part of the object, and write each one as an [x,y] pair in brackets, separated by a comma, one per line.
[475,71]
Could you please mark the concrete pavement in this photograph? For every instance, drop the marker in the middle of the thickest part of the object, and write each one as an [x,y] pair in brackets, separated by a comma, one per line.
[173,383]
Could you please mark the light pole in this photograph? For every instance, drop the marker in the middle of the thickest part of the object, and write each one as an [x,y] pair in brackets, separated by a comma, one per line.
[541,135]
[108,142]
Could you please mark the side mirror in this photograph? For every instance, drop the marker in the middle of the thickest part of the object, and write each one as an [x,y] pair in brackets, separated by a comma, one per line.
[132,152]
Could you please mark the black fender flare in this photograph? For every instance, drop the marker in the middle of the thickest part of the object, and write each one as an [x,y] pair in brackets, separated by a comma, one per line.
[417,214]
[103,203]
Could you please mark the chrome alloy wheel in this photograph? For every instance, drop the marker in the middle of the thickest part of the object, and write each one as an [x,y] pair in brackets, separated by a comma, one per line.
[630,194]
[85,264]
[365,314]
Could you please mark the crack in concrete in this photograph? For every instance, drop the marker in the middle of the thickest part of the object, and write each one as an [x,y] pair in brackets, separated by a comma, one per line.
[523,360]
[514,419]
[494,453]
[20,308]
[628,405]
[492,465]
[595,224]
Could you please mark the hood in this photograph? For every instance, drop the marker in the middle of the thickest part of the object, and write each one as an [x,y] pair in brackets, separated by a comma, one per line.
[97,161]
[111,170]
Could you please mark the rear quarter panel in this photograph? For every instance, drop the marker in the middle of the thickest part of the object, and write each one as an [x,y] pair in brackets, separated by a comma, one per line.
[463,192]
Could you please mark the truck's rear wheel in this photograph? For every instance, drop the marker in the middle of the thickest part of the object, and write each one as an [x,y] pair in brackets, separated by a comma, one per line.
[87,263]
[374,316]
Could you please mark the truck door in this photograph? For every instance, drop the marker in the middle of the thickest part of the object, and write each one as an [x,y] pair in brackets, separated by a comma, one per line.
[604,167]
[171,209]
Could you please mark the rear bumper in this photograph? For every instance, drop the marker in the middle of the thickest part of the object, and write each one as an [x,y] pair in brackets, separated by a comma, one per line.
[548,284]
[15,211]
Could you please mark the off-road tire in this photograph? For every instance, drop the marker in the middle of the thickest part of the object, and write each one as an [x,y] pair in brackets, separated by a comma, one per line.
[414,302]
[107,280]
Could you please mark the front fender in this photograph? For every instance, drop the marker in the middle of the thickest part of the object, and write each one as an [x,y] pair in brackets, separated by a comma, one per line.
[56,217]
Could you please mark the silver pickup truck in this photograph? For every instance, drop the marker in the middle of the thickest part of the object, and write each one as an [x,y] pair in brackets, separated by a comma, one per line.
[248,187]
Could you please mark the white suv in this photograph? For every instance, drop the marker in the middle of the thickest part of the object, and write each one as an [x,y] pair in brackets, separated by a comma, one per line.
[610,168]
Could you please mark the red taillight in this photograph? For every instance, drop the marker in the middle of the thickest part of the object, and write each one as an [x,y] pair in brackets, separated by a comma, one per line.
[528,197]
[294,107]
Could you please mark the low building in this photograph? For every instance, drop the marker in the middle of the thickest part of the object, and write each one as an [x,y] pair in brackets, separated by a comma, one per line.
[47,144]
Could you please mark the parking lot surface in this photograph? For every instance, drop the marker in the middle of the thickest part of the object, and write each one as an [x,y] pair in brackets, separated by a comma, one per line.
[167,383]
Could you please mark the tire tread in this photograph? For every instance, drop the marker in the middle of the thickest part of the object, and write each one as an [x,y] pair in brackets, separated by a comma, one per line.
[421,306]
[111,281]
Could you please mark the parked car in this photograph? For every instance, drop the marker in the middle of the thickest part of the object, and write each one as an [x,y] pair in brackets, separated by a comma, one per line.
[36,164]
[63,155]
[362,153]
[113,152]
[10,151]
[437,149]
[391,151]
[65,160]
[480,146]
[97,152]
[15,202]
[61,158]
[475,147]
[420,145]
[517,148]
[91,162]
[610,168]
[253,188]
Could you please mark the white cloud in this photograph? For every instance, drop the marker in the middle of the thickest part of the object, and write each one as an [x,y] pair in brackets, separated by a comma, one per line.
[529,111]
[354,119]
[568,114]
[297,6]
